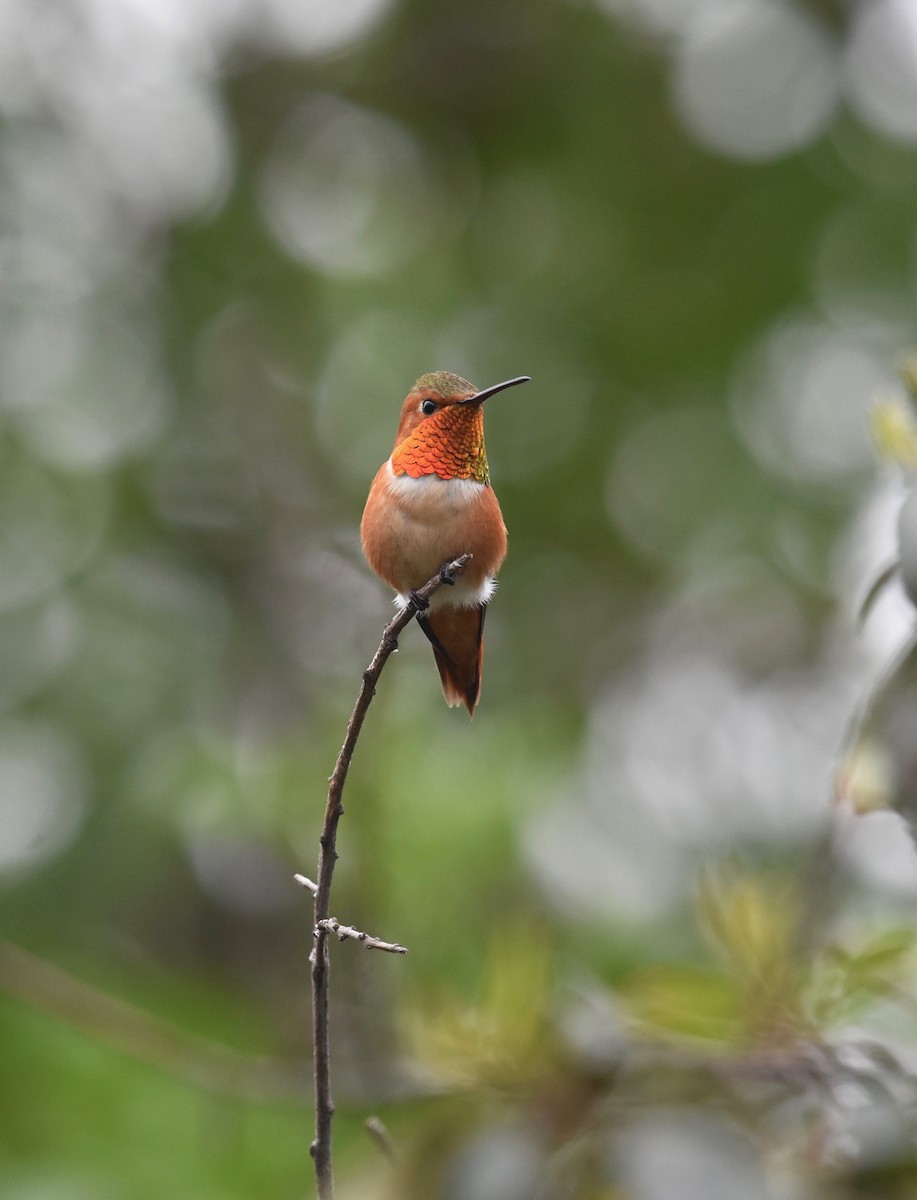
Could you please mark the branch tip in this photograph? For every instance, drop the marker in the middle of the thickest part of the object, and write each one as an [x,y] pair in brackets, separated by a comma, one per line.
[347,933]
[381,1136]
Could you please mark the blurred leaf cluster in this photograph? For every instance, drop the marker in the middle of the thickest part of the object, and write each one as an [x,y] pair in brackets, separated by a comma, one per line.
[767,987]
[768,1027]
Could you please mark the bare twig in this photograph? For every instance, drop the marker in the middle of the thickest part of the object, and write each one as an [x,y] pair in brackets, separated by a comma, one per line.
[321,1063]
[343,932]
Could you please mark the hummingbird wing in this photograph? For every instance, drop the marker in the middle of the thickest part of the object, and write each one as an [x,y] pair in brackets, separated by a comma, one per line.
[457,637]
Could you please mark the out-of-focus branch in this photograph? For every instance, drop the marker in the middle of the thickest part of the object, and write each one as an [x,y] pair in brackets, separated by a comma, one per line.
[327,856]
[381,1136]
[141,1034]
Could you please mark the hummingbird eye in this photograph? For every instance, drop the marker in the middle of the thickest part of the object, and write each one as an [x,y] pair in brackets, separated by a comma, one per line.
[428,407]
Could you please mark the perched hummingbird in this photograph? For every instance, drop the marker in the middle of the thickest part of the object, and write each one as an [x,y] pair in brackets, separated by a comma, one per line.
[429,503]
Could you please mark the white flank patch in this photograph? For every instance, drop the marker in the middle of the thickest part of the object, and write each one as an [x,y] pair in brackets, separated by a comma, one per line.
[459,595]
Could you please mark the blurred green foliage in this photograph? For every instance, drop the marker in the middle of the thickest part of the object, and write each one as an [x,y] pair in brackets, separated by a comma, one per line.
[232,235]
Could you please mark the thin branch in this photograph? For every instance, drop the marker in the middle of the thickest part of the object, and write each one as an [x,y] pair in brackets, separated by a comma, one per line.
[327,856]
[343,932]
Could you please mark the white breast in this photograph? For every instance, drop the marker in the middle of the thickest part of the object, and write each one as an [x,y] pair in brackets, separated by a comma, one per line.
[429,493]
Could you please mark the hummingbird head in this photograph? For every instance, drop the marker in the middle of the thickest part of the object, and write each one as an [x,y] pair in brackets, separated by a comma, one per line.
[441,430]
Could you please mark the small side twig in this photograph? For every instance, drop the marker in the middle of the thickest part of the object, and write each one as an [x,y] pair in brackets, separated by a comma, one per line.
[381,1136]
[327,856]
[345,932]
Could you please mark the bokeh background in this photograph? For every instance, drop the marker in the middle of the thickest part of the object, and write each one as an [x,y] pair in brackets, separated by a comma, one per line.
[232,234]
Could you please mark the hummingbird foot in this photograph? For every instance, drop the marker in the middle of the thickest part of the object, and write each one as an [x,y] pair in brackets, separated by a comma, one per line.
[446,576]
[417,602]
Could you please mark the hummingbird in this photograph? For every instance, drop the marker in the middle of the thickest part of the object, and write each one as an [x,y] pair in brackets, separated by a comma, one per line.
[430,502]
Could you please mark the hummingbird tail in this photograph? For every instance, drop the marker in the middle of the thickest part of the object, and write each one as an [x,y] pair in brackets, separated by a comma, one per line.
[457,637]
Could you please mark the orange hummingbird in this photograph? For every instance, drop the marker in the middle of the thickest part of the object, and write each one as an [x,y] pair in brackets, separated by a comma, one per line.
[431,502]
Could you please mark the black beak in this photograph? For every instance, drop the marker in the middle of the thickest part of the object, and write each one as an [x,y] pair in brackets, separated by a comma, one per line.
[480,397]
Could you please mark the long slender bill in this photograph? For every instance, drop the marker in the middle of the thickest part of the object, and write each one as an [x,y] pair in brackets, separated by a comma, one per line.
[479,397]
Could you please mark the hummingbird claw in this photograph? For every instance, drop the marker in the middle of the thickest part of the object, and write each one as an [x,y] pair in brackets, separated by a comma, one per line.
[417,602]
[446,576]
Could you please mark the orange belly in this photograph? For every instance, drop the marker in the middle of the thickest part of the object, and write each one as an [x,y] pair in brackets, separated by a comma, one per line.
[411,527]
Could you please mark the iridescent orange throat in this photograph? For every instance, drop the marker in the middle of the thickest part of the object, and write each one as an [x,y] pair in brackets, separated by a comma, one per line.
[449,444]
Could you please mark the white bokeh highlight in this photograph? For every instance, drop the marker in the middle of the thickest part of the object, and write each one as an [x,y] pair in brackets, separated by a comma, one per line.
[346,190]
[755,81]
[42,794]
[802,395]
[881,66]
